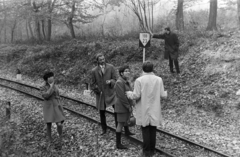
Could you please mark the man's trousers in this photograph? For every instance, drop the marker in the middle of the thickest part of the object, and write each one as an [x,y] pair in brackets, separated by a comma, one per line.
[103,119]
[149,139]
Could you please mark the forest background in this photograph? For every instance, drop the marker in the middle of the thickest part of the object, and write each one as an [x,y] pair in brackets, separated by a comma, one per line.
[33,21]
[64,35]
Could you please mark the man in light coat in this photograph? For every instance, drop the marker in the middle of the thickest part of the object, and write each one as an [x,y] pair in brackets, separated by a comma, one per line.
[147,92]
[102,84]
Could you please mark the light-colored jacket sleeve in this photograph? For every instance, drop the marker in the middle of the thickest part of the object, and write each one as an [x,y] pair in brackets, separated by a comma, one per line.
[136,94]
[163,93]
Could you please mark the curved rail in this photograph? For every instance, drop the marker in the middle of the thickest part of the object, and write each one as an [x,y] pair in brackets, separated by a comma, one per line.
[158,130]
[87,117]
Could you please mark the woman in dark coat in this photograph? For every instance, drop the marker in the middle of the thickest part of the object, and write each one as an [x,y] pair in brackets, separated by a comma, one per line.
[52,106]
[123,106]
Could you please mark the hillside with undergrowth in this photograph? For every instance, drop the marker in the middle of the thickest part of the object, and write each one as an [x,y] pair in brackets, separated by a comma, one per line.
[209,64]
[202,100]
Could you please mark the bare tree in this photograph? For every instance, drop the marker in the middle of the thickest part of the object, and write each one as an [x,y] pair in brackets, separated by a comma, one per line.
[106,6]
[5,22]
[212,22]
[30,28]
[179,16]
[143,9]
[29,18]
[13,29]
[70,19]
[37,20]
[238,10]
[51,5]
[71,12]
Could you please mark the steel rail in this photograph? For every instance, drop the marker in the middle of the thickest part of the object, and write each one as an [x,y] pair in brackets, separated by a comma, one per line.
[158,130]
[135,140]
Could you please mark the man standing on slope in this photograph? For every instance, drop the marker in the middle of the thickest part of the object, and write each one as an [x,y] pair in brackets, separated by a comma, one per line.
[171,48]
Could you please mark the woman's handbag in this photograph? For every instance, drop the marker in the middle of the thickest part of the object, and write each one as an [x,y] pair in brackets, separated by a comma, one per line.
[131,120]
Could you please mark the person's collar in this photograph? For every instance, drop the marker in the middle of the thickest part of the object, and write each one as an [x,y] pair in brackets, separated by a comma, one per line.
[102,66]
[150,73]
[122,79]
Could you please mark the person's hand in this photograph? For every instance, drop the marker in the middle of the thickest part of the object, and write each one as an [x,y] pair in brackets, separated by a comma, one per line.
[108,81]
[130,109]
[51,84]
[128,93]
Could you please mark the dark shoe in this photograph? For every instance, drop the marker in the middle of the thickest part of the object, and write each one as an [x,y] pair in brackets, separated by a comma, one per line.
[146,154]
[104,132]
[127,132]
[118,141]
[120,146]
[152,152]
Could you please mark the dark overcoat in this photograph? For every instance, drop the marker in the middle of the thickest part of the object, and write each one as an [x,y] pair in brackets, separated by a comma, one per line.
[171,44]
[104,92]
[122,102]
[52,105]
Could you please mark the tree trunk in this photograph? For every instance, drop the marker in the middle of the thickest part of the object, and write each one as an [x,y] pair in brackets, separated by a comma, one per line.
[19,28]
[5,33]
[71,27]
[238,7]
[212,21]
[30,29]
[37,29]
[37,23]
[70,21]
[43,29]
[104,18]
[49,29]
[49,20]
[5,22]
[12,30]
[1,28]
[179,16]
[26,27]
[102,25]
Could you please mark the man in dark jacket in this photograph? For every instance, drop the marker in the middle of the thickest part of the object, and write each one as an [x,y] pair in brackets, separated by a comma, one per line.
[171,47]
[102,84]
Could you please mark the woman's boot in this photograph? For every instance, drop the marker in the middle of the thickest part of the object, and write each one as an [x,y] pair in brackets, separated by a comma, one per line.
[118,141]
[59,130]
[49,131]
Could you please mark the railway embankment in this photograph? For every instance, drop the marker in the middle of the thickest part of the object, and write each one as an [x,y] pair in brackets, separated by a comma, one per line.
[202,103]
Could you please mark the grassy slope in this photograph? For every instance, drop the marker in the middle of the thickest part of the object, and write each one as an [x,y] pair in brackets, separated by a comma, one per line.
[202,63]
[205,93]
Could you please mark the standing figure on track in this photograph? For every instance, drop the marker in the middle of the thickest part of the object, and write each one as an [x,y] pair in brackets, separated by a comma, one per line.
[147,92]
[52,107]
[102,84]
[123,106]
[171,48]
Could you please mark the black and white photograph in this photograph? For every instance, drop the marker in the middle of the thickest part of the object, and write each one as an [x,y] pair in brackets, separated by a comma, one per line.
[119,78]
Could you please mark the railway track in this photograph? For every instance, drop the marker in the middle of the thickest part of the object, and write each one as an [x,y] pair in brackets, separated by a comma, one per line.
[77,107]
